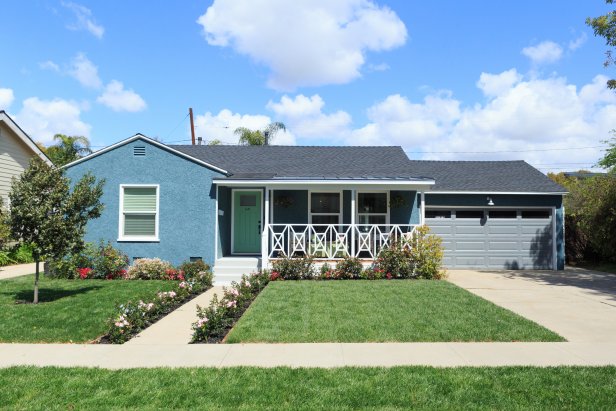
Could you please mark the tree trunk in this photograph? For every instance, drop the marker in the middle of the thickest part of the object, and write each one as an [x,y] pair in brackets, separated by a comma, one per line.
[36,280]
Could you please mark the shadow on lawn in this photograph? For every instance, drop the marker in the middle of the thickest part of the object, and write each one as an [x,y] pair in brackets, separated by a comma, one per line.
[47,295]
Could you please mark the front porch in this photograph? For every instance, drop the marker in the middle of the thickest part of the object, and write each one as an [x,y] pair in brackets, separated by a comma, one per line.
[326,221]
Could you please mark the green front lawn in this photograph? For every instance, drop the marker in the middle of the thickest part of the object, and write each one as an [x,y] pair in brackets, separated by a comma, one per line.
[378,311]
[285,388]
[69,310]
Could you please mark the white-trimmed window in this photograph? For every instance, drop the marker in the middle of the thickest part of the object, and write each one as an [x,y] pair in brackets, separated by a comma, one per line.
[325,207]
[372,208]
[138,213]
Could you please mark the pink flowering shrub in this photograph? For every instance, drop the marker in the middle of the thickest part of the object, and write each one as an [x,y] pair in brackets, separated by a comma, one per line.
[215,320]
[151,269]
[130,318]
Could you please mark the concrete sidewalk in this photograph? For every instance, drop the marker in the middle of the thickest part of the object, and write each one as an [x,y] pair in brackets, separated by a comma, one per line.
[175,328]
[309,355]
[11,271]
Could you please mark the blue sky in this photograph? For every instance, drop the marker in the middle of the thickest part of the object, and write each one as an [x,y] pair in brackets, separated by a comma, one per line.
[445,80]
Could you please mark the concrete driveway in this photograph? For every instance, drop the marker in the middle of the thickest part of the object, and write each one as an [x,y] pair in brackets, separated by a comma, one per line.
[12,271]
[578,304]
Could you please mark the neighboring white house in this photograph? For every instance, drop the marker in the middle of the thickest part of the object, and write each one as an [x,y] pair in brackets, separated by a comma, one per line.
[16,150]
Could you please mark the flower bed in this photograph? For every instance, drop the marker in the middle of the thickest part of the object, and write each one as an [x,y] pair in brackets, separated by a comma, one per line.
[132,317]
[218,318]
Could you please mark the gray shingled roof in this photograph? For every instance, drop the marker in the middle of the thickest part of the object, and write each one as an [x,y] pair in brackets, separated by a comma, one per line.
[493,176]
[266,162]
[263,162]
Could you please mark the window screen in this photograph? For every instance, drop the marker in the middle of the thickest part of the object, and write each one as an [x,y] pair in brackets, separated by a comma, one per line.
[139,212]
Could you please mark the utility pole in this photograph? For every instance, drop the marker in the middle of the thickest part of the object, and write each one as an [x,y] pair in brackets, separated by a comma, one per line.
[192,125]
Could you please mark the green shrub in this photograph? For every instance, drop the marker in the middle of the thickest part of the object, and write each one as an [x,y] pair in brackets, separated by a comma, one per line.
[22,253]
[349,269]
[193,268]
[5,259]
[370,273]
[326,272]
[287,268]
[427,255]
[394,261]
[149,269]
[106,261]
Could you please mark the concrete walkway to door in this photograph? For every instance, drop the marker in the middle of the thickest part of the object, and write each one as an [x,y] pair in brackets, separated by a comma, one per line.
[578,304]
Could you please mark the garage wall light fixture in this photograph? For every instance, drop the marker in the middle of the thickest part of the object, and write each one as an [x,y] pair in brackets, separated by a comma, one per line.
[490,202]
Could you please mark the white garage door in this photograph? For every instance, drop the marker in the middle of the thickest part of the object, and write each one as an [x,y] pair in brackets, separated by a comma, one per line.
[494,239]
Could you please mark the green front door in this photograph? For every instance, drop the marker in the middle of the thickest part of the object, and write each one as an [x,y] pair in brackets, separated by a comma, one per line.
[246,222]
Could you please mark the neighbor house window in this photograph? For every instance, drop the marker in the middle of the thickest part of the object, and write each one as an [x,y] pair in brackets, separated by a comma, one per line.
[139,213]
[325,208]
[372,208]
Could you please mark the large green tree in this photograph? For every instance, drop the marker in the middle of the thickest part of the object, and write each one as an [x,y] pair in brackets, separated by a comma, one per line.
[259,137]
[48,215]
[609,159]
[68,149]
[605,26]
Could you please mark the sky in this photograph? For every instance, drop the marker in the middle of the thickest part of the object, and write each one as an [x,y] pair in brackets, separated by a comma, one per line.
[447,80]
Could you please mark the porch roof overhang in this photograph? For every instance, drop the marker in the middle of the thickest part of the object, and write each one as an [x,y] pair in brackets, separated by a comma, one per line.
[423,184]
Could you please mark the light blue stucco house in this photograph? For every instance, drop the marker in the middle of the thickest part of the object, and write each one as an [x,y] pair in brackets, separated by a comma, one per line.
[239,207]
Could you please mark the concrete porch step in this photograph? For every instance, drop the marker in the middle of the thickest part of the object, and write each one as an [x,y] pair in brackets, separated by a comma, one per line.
[228,269]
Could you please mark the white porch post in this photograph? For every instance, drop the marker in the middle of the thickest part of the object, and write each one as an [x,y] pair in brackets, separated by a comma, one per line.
[265,232]
[353,208]
[216,228]
[422,217]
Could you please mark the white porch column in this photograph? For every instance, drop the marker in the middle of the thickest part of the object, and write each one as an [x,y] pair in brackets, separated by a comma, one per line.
[216,229]
[422,216]
[265,231]
[353,208]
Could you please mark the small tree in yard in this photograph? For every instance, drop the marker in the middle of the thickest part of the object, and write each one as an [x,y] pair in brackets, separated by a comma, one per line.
[48,216]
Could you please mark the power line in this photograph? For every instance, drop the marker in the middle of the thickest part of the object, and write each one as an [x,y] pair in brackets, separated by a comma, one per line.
[502,151]
[176,127]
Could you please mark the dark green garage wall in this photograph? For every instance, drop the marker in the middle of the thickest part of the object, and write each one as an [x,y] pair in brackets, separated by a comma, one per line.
[296,212]
[509,200]
[407,214]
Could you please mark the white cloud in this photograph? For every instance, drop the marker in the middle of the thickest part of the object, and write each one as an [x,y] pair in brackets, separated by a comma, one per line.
[528,114]
[523,117]
[495,84]
[396,120]
[221,127]
[85,72]
[6,98]
[41,119]
[84,20]
[544,53]
[119,99]
[305,117]
[578,42]
[304,42]
[49,65]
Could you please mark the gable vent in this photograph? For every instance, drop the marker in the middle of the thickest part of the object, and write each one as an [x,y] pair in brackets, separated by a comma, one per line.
[139,151]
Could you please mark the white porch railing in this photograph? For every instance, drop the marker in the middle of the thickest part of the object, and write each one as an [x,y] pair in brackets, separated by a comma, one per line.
[335,241]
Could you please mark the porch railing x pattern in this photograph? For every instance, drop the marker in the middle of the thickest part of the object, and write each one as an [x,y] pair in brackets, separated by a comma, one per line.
[336,241]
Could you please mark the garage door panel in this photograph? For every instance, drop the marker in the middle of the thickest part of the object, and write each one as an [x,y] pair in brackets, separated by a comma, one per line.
[470,245]
[470,261]
[498,243]
[441,230]
[504,245]
[467,229]
[503,230]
